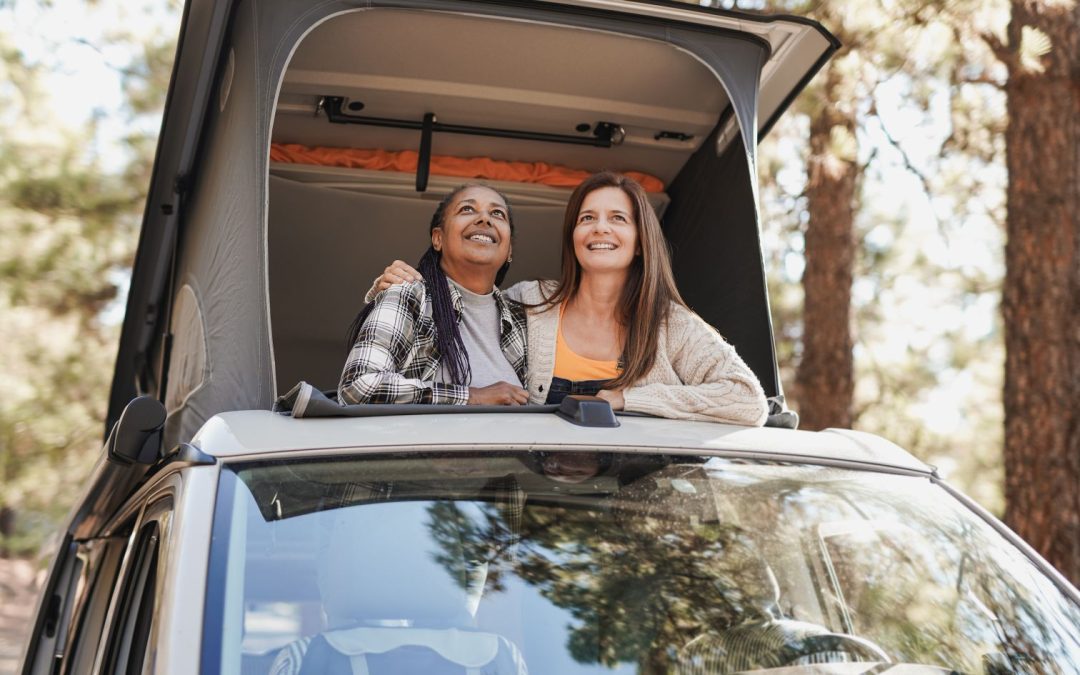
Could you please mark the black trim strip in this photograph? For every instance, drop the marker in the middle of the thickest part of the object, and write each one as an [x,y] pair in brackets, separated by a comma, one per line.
[64,552]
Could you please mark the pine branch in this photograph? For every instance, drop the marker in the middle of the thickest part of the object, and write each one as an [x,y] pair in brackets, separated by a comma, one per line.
[981,79]
[869,160]
[908,164]
[914,170]
[997,47]
[124,71]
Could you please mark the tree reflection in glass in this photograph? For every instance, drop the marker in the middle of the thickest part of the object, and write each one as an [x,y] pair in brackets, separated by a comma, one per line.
[674,568]
[629,562]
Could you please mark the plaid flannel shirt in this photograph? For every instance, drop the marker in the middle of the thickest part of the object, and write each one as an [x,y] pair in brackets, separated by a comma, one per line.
[395,358]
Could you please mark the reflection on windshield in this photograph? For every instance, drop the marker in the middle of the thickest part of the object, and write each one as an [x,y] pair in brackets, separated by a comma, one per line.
[526,562]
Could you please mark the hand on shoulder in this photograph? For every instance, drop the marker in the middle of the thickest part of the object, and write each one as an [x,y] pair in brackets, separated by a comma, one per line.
[411,293]
[397,272]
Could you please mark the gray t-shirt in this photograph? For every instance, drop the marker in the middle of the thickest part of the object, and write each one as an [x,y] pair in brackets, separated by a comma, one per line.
[480,334]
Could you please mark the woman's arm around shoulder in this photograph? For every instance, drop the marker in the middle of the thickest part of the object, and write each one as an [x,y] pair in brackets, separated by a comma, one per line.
[714,383]
[531,292]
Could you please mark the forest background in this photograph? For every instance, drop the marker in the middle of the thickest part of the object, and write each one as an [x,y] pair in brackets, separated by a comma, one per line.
[920,217]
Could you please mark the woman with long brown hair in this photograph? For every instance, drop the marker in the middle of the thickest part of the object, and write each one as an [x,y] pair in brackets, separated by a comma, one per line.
[614,324]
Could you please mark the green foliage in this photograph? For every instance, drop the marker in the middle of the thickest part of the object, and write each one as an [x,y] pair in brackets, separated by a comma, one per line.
[70,206]
[148,79]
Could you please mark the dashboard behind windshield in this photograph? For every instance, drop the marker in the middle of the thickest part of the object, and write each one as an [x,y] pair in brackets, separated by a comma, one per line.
[589,562]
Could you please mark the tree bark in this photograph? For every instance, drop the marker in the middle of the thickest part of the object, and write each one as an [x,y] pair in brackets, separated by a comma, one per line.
[7,529]
[825,377]
[1041,294]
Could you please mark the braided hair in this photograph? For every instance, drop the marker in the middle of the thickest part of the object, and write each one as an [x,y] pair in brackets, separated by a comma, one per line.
[448,340]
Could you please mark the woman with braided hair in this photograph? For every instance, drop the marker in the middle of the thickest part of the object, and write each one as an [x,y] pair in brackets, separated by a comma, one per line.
[451,337]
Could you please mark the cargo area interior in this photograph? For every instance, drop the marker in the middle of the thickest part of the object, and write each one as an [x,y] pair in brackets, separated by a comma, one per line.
[332,229]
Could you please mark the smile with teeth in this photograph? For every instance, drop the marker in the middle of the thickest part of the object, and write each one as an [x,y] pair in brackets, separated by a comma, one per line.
[601,246]
[482,238]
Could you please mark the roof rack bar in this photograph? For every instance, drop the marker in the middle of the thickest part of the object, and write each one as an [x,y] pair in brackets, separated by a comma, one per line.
[605,134]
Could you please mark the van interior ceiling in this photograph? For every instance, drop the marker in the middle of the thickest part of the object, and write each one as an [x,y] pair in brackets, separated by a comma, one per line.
[333,228]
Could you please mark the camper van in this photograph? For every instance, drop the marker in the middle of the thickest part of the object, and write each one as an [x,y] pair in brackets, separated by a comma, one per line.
[304,146]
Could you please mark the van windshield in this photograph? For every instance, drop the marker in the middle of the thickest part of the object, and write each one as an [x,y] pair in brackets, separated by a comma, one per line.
[588,562]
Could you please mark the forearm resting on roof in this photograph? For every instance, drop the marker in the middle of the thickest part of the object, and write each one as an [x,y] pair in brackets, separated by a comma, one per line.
[391,387]
[732,402]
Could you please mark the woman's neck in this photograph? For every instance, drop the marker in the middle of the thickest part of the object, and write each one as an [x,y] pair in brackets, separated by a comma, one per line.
[598,295]
[479,280]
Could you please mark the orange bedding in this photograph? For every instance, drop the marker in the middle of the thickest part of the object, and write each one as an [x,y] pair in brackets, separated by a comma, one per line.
[443,165]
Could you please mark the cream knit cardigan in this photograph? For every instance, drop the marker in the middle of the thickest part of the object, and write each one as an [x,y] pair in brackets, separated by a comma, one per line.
[696,374]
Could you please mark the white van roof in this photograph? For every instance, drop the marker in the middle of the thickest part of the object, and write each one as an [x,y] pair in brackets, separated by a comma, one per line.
[256,433]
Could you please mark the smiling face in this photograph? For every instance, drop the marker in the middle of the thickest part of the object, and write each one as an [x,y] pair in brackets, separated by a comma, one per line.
[475,230]
[606,234]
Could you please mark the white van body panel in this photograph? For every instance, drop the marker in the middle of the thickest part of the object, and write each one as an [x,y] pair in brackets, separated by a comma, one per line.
[258,432]
[181,610]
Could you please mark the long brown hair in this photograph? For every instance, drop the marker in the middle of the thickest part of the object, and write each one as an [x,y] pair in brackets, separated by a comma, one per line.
[650,288]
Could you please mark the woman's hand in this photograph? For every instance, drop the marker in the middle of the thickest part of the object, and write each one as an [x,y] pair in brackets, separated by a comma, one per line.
[612,396]
[500,393]
[398,272]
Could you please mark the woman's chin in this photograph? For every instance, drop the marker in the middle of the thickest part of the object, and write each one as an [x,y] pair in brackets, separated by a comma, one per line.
[484,258]
[602,266]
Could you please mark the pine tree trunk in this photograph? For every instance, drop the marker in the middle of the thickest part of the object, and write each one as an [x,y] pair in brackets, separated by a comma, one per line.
[1041,296]
[825,378]
[7,529]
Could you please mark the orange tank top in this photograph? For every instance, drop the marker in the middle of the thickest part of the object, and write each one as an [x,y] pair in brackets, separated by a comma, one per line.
[570,366]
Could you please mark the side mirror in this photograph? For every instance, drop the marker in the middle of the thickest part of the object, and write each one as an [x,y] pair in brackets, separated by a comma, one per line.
[136,436]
